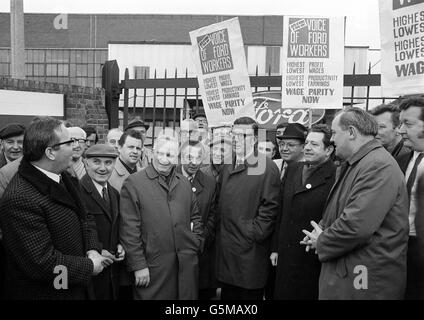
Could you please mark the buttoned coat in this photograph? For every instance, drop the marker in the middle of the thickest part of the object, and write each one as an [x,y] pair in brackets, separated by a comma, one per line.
[204,187]
[298,271]
[161,229]
[45,226]
[107,225]
[365,237]
[248,206]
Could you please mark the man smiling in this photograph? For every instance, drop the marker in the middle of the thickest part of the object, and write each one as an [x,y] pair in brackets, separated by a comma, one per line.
[12,137]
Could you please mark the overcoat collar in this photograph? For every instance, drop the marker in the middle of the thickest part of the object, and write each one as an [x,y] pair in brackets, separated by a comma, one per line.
[91,189]
[68,197]
[153,174]
[317,178]
[363,151]
[198,182]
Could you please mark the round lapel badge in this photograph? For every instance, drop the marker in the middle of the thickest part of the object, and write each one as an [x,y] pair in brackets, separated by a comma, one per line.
[193,189]
[308,186]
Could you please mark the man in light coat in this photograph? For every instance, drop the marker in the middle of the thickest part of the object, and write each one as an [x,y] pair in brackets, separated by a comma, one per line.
[161,229]
[363,236]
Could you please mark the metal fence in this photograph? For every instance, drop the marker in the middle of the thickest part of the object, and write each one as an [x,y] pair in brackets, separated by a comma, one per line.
[164,102]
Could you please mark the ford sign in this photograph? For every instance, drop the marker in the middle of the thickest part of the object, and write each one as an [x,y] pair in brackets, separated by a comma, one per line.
[269,112]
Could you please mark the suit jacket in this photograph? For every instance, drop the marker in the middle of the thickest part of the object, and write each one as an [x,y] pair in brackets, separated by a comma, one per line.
[365,224]
[161,229]
[248,206]
[44,226]
[404,159]
[106,222]
[298,271]
[400,149]
[204,187]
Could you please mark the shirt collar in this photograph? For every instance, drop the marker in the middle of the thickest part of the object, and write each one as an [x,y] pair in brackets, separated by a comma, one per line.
[99,187]
[185,174]
[131,171]
[55,177]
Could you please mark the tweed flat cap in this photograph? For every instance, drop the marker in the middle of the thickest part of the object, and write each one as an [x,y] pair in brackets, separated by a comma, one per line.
[294,131]
[11,130]
[101,150]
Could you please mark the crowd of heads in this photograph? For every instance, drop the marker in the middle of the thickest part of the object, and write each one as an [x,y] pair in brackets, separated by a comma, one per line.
[196,144]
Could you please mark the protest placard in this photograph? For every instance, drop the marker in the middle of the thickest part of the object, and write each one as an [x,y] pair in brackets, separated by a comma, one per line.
[221,68]
[312,62]
[402,46]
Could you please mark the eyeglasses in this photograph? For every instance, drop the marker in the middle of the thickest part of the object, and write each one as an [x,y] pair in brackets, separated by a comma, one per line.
[70,141]
[289,145]
[240,135]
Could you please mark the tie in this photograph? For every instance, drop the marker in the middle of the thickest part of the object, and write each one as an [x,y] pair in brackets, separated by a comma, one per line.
[105,196]
[283,170]
[413,174]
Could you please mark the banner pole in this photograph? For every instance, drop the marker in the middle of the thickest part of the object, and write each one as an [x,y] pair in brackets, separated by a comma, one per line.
[310,117]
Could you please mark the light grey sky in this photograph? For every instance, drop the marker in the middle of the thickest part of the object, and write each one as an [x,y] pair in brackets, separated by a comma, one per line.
[362,16]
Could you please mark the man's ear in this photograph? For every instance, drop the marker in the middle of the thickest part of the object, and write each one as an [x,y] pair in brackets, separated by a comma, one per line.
[353,132]
[50,153]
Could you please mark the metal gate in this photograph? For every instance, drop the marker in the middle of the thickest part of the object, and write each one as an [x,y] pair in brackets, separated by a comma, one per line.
[167,100]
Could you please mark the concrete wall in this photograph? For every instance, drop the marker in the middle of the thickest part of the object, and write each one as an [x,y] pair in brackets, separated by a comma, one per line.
[83,105]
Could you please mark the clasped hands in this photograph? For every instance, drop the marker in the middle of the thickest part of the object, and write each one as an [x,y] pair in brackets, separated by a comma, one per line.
[101,261]
[310,239]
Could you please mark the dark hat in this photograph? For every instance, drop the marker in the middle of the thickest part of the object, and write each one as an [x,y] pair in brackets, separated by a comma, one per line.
[199,114]
[294,131]
[11,130]
[136,123]
[101,150]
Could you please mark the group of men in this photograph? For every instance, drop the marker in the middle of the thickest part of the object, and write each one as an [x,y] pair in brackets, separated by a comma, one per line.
[338,216]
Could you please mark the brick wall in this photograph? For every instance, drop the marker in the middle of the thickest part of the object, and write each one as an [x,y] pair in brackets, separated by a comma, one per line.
[83,105]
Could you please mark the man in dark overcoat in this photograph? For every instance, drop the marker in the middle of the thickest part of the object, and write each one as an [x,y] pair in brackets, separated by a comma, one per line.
[51,251]
[204,187]
[102,202]
[304,191]
[248,205]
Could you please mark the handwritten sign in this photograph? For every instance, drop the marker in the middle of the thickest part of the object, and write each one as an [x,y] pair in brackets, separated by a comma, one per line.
[312,62]
[402,46]
[222,74]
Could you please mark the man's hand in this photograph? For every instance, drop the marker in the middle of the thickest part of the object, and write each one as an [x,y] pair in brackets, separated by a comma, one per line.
[97,259]
[311,237]
[120,253]
[142,277]
[274,258]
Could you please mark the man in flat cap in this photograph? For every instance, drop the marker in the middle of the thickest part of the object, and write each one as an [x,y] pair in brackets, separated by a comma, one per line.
[12,137]
[102,202]
[202,123]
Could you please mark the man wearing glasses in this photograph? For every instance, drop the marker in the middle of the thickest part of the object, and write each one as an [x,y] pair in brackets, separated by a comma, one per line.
[290,145]
[46,230]
[248,205]
[77,168]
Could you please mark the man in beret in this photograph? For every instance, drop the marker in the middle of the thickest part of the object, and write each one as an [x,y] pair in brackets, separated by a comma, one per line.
[102,202]
[12,137]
